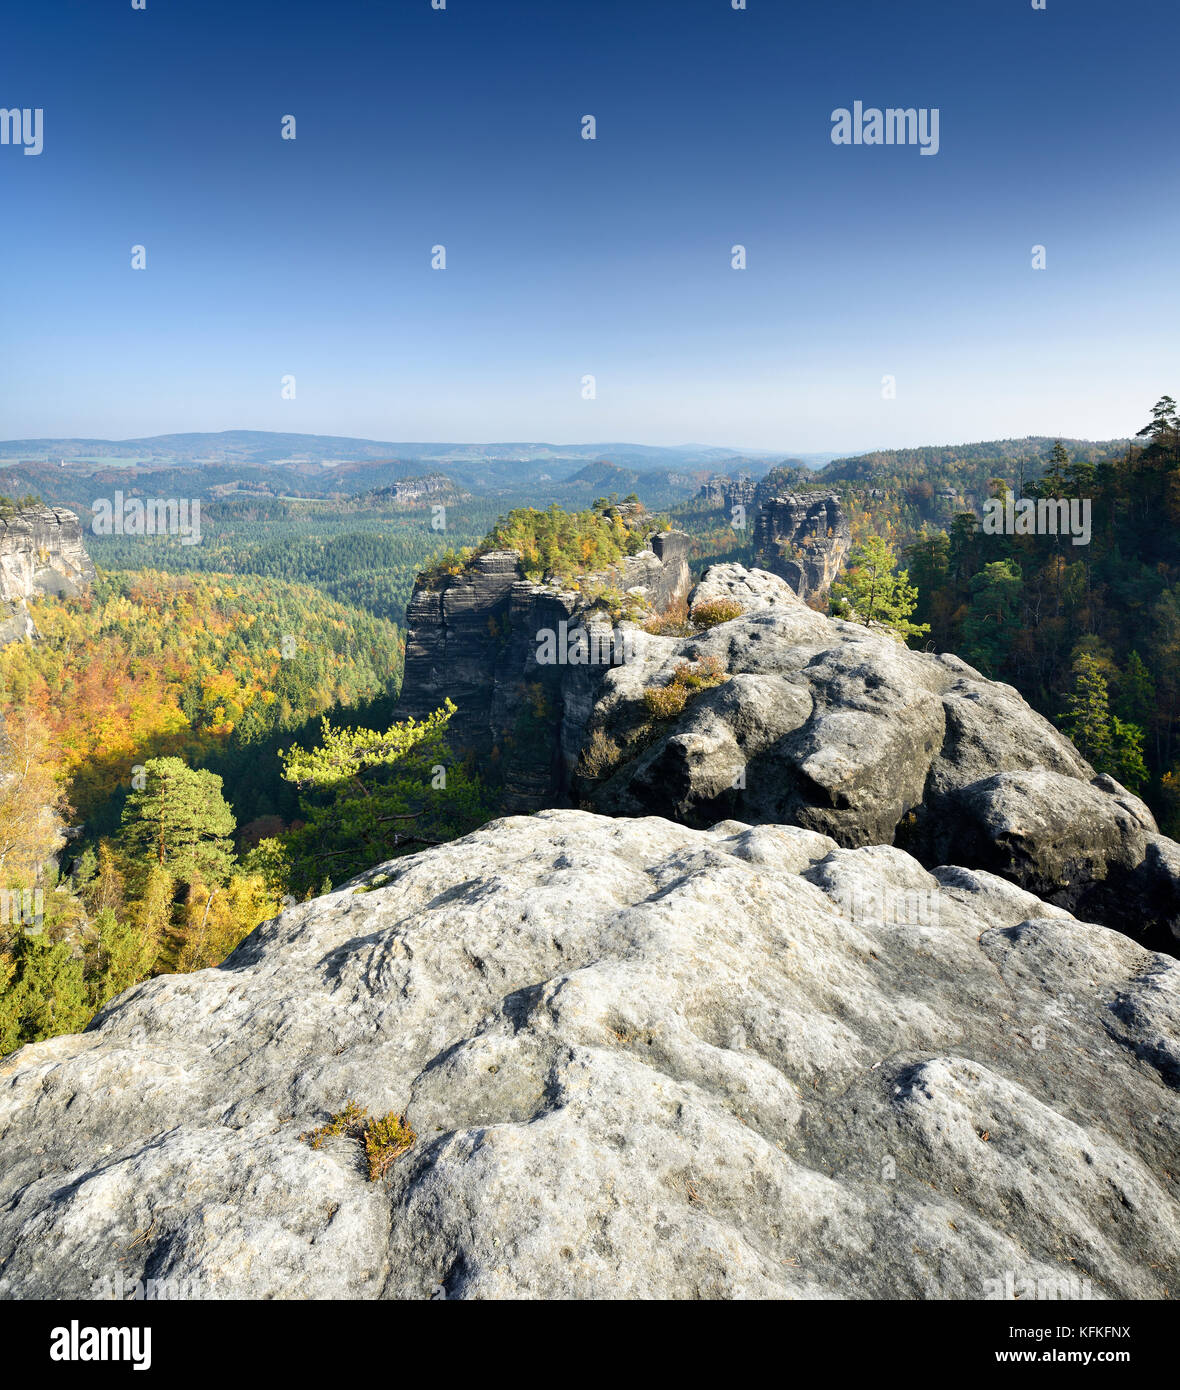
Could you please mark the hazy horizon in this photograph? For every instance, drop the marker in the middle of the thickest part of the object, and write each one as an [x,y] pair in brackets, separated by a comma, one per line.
[521,441]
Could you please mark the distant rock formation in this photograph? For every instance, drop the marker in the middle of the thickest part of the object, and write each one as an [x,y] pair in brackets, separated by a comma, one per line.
[640,1060]
[727,493]
[473,637]
[429,487]
[841,729]
[41,552]
[804,538]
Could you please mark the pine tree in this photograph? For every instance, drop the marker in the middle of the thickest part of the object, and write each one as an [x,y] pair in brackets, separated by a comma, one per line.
[180,822]
[1126,754]
[124,955]
[1137,695]
[368,795]
[1087,711]
[46,994]
[990,625]
[871,592]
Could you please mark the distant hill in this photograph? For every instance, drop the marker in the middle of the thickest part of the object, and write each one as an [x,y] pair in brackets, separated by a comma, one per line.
[930,459]
[292,450]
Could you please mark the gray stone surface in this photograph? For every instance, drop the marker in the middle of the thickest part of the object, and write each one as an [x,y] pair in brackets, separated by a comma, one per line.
[41,552]
[803,538]
[473,638]
[842,729]
[642,1060]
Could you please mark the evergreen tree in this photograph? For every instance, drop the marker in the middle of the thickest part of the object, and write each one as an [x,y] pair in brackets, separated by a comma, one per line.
[1087,712]
[1113,745]
[1137,695]
[992,618]
[180,822]
[46,992]
[871,592]
[369,795]
[124,956]
[1126,764]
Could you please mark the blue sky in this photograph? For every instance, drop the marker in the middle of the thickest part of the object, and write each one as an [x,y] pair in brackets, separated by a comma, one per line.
[569,257]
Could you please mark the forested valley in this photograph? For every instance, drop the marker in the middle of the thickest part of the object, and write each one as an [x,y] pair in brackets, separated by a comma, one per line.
[213,729]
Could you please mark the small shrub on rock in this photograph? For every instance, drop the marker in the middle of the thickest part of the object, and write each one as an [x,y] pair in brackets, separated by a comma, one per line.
[666,702]
[715,611]
[384,1139]
[672,622]
[601,755]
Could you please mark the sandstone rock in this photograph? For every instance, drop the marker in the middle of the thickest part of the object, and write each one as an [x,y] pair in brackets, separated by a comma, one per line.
[1091,846]
[41,552]
[839,728]
[803,538]
[726,492]
[473,637]
[641,1060]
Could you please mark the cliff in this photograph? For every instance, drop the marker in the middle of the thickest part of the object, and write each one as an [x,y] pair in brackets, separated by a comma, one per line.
[802,538]
[41,552]
[475,637]
[639,1060]
[726,492]
[428,488]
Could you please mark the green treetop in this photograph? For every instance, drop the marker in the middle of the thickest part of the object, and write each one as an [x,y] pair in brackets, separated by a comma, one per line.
[180,821]
[871,592]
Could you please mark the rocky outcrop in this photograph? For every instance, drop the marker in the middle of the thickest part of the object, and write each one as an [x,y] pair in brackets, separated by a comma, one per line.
[803,538]
[41,553]
[431,487]
[843,730]
[474,637]
[726,492]
[640,1060]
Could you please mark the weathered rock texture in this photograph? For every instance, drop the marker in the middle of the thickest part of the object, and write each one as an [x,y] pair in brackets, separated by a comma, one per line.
[473,638]
[641,1060]
[729,492]
[803,538]
[429,487]
[841,729]
[41,552]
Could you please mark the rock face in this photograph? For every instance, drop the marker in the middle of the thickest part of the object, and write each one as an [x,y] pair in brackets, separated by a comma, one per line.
[429,487]
[41,552]
[641,1060]
[473,637]
[804,539]
[729,492]
[839,729]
